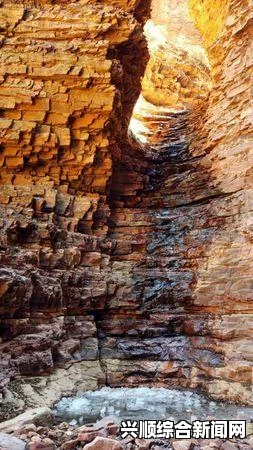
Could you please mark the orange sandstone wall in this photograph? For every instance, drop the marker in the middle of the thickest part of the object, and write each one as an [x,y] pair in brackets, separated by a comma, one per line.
[70,75]
[225,282]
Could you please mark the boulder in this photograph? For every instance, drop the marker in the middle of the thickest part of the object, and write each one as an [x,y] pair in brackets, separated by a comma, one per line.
[8,442]
[183,444]
[38,416]
[41,444]
[101,443]
[70,445]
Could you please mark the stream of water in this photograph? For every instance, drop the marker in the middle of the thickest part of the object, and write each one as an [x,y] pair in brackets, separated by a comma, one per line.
[145,403]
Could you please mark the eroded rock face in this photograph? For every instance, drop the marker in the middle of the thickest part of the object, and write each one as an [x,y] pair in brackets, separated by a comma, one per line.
[177,74]
[124,263]
[195,256]
[65,95]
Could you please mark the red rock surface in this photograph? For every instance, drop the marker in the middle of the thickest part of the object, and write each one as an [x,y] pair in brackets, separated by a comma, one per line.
[66,437]
[121,262]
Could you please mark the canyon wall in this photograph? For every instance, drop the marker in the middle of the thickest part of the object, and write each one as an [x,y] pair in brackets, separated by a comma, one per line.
[70,75]
[124,263]
[183,198]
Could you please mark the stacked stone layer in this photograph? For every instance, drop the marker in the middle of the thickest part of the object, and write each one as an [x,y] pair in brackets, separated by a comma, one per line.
[122,263]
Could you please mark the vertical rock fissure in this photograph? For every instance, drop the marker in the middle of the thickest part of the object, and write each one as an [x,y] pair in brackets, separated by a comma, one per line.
[102,366]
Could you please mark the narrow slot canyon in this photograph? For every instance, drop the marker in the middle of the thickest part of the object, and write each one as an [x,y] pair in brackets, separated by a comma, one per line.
[126,212]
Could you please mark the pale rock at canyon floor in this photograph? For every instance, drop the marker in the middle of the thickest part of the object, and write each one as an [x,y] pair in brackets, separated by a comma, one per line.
[8,442]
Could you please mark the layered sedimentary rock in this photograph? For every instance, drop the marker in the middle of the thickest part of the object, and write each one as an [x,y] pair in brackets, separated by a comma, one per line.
[193,281]
[126,262]
[70,74]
